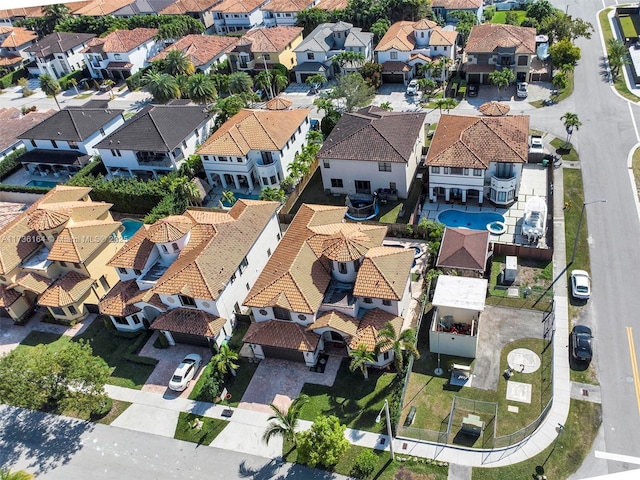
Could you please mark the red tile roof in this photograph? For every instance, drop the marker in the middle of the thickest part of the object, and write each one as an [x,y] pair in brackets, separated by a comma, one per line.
[189,321]
[489,37]
[282,334]
[67,290]
[464,248]
[120,41]
[201,49]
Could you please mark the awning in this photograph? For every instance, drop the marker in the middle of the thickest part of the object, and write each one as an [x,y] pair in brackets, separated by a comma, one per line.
[119,66]
[50,157]
[315,67]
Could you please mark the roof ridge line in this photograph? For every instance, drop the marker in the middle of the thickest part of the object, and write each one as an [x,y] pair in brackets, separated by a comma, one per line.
[158,129]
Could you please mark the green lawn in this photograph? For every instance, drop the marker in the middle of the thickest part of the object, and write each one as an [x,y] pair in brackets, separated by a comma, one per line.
[118,407]
[113,348]
[561,458]
[567,151]
[314,193]
[501,16]
[539,283]
[630,25]
[354,400]
[210,429]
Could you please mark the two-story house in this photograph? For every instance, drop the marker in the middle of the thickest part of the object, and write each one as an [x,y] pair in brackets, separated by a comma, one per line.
[58,54]
[262,48]
[54,255]
[9,16]
[372,149]
[492,47]
[121,53]
[157,140]
[442,8]
[329,286]
[14,42]
[284,12]
[96,8]
[188,275]
[478,157]
[65,142]
[231,16]
[198,9]
[254,148]
[142,7]
[13,124]
[408,45]
[327,40]
[204,51]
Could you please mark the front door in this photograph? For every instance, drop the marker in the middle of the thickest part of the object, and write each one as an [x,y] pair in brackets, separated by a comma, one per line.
[363,186]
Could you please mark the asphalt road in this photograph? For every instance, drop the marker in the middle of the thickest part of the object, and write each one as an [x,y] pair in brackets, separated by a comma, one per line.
[61,448]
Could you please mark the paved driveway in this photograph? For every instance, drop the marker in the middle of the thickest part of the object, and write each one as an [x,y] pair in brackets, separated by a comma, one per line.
[280,381]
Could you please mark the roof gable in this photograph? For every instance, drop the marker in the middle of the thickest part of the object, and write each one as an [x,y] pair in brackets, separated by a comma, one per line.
[201,49]
[121,41]
[489,37]
[463,248]
[72,124]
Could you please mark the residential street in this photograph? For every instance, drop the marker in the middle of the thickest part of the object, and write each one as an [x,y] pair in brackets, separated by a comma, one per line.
[67,449]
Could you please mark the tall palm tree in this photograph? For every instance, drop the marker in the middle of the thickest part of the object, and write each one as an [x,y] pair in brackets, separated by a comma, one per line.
[264,80]
[361,357]
[280,82]
[50,86]
[405,341]
[201,88]
[53,14]
[224,360]
[177,63]
[314,136]
[283,423]
[240,82]
[618,55]
[501,78]
[220,81]
[273,194]
[571,123]
[185,188]
[162,86]
[7,474]
[348,56]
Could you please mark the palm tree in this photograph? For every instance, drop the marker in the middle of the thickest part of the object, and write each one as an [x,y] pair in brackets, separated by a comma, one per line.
[386,106]
[7,474]
[427,85]
[618,55]
[571,122]
[240,82]
[314,136]
[177,63]
[74,83]
[224,360]
[264,80]
[53,14]
[348,56]
[162,86]
[273,194]
[501,78]
[50,86]
[283,423]
[201,88]
[280,82]
[389,339]
[220,81]
[228,197]
[441,103]
[361,357]
[185,188]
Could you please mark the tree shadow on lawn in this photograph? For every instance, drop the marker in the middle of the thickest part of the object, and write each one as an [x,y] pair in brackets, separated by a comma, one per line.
[278,469]
[46,441]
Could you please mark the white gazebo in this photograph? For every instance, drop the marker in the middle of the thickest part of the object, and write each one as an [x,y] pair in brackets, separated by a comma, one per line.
[459,301]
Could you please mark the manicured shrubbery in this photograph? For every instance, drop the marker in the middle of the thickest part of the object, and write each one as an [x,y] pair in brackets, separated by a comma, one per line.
[11,163]
[12,78]
[76,74]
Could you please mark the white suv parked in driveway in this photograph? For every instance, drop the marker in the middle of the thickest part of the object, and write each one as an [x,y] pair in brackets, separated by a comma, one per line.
[412,88]
[522,89]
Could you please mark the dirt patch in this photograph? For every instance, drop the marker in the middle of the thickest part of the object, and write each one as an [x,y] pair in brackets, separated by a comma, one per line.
[532,274]
[405,474]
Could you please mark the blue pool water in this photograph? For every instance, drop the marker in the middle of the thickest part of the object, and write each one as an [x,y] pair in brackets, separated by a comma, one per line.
[130,228]
[242,195]
[474,221]
[41,183]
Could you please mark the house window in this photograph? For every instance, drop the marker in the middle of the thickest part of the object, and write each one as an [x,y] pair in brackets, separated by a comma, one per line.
[187,301]
[265,181]
[393,55]
[164,249]
[123,270]
[466,172]
[336,182]
[77,265]
[446,170]
[310,56]
[206,158]
[386,303]
[196,133]
[435,169]
[137,272]
[273,179]
[266,56]
[384,166]
[243,265]
[522,60]
[63,264]
[239,159]
[54,144]
[175,247]
[456,170]
[135,318]
[57,311]
[104,282]
[184,144]
[326,164]
[102,131]
[73,145]
[392,185]
[278,236]
[72,310]
[116,153]
[268,252]
[421,34]
[120,321]
[233,278]
[385,355]
[33,143]
[223,159]
[281,313]
[117,56]
[368,300]
[342,267]
[477,172]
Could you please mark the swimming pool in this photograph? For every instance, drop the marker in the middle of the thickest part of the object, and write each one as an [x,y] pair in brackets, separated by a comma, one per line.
[474,221]
[130,228]
[241,195]
[41,183]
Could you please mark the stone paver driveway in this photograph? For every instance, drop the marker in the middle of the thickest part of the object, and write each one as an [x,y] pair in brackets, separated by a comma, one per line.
[280,381]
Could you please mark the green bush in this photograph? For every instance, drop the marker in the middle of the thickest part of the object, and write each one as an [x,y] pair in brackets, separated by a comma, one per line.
[161,341]
[364,464]
[12,78]
[93,168]
[77,74]
[24,189]
[138,360]
[11,163]
[212,386]
[169,205]
[108,324]
[106,404]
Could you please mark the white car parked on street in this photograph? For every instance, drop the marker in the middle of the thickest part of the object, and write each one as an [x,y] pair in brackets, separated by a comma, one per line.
[580,285]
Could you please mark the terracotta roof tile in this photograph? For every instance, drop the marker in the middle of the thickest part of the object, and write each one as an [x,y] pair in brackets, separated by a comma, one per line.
[464,248]
[384,273]
[475,142]
[457,4]
[9,211]
[45,219]
[337,321]
[135,253]
[330,5]
[346,247]
[120,41]
[67,290]
[279,103]
[372,322]
[272,39]
[401,36]
[8,296]
[237,6]
[18,37]
[183,7]
[118,301]
[13,123]
[201,49]
[276,333]
[209,217]
[77,242]
[190,321]
[34,282]
[254,130]
[288,5]
[489,37]
[169,229]
[99,8]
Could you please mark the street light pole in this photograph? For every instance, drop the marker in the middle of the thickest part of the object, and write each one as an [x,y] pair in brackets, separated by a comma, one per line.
[575,242]
[389,432]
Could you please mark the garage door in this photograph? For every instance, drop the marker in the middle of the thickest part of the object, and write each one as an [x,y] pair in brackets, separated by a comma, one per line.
[392,78]
[283,353]
[304,76]
[190,339]
[473,78]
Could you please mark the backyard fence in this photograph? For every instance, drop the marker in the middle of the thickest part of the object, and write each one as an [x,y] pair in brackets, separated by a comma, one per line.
[523,251]
[297,190]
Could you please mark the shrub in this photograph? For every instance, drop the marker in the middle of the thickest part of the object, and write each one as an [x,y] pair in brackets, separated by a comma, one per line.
[105,406]
[12,78]
[76,74]
[211,387]
[93,168]
[11,163]
[364,464]
[161,341]
[108,324]
[27,110]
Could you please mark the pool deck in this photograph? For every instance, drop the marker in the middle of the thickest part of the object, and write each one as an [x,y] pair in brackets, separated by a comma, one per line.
[533,184]
[22,177]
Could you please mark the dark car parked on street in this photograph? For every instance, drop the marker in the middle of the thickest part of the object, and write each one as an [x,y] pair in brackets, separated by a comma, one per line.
[581,347]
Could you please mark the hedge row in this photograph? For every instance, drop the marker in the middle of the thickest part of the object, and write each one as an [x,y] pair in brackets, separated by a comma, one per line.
[93,168]
[11,163]
[12,78]
[77,74]
[23,189]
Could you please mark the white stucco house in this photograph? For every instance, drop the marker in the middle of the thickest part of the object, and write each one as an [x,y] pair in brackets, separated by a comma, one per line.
[58,54]
[328,288]
[14,42]
[473,157]
[230,16]
[121,53]
[284,12]
[254,148]
[157,140]
[206,52]
[372,149]
[181,277]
